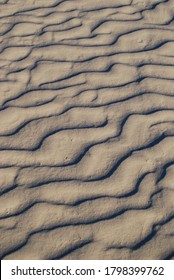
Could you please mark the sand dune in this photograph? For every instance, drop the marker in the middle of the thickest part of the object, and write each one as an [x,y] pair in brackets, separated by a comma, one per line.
[87,129]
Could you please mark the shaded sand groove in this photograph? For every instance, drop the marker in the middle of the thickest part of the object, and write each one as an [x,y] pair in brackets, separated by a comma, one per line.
[87,129]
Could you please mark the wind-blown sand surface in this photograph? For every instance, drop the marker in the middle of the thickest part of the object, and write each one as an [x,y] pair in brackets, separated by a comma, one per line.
[87,129]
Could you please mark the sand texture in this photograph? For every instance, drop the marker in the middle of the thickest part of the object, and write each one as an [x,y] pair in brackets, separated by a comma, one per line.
[87,129]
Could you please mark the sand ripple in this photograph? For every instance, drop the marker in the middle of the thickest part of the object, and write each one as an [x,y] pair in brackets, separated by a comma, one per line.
[87,129]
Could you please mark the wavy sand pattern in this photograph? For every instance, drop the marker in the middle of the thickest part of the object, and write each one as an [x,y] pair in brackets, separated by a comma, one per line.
[87,129]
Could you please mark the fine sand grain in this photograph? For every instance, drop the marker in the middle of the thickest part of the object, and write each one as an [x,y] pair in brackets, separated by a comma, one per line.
[87,129]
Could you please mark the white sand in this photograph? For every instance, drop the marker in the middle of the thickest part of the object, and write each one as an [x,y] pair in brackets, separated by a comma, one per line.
[87,129]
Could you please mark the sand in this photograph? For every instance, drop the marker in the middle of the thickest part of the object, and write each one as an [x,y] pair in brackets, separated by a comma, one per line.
[87,129]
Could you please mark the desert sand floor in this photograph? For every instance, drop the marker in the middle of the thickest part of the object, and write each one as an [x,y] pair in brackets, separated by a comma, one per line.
[87,129]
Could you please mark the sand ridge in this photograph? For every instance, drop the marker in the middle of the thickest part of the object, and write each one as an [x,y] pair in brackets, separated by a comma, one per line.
[86,129]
